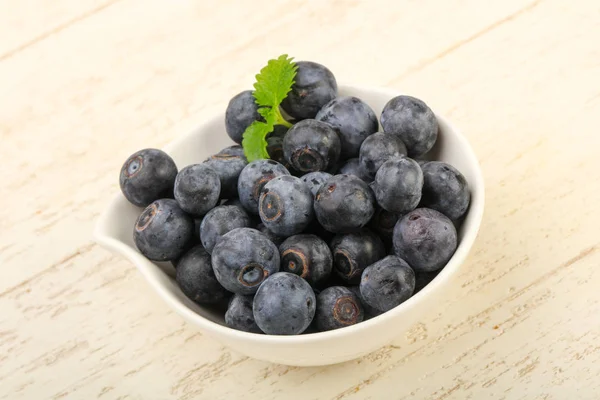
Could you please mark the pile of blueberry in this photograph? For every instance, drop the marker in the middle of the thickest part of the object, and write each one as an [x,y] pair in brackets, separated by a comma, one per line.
[342,224]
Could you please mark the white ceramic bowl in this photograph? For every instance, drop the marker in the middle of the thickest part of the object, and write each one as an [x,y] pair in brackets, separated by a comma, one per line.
[115,232]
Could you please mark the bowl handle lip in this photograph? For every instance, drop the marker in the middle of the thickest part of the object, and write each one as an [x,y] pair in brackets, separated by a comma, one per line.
[102,236]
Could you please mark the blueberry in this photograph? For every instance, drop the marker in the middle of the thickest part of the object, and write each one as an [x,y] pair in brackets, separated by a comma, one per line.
[219,221]
[239,314]
[163,231]
[234,201]
[253,178]
[254,219]
[334,169]
[196,278]
[228,167]
[352,167]
[275,149]
[387,283]
[243,258]
[197,223]
[421,162]
[425,238]
[370,312]
[338,307]
[197,189]
[353,252]
[377,149]
[412,121]
[311,146]
[353,119]
[315,228]
[235,150]
[344,203]
[307,256]
[315,180]
[423,279]
[383,223]
[398,185]
[285,205]
[147,175]
[242,111]
[334,280]
[276,239]
[445,189]
[284,305]
[279,131]
[314,87]
[275,144]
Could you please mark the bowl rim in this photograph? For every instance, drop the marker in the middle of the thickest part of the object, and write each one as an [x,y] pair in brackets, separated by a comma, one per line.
[475,214]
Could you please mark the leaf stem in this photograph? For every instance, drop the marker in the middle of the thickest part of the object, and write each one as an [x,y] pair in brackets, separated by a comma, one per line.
[279,118]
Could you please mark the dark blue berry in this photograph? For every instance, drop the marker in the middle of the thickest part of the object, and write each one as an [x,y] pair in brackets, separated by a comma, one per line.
[285,205]
[315,180]
[234,201]
[235,150]
[344,203]
[275,144]
[377,149]
[337,307]
[353,252]
[219,221]
[335,168]
[353,119]
[276,239]
[239,314]
[243,258]
[423,279]
[307,256]
[196,278]
[284,305]
[334,280]
[228,166]
[197,189]
[197,223]
[398,185]
[387,283]
[279,131]
[445,189]
[315,228]
[314,87]
[254,219]
[311,146]
[253,178]
[412,121]
[352,167]
[241,112]
[425,238]
[163,231]
[147,175]
[370,312]
[383,223]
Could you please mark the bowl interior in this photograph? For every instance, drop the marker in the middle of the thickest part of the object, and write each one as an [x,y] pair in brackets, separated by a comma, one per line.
[115,226]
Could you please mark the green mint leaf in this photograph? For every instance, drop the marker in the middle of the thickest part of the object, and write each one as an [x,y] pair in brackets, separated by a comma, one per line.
[274,81]
[265,112]
[255,142]
[272,85]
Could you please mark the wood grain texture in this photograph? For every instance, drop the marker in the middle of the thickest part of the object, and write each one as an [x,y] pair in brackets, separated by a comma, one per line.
[86,83]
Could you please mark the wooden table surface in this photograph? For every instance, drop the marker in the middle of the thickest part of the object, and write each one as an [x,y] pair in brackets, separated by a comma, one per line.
[84,83]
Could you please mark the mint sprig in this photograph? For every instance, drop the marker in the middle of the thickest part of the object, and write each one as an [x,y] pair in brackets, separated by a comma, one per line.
[272,85]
